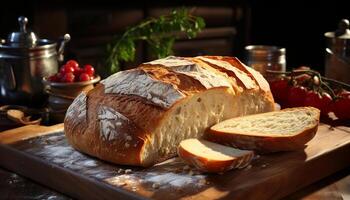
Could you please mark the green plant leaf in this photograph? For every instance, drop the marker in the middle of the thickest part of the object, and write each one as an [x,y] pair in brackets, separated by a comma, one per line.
[159,33]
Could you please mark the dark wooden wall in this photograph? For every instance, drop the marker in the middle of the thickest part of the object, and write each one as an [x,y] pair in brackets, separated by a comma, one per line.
[231,24]
[93,24]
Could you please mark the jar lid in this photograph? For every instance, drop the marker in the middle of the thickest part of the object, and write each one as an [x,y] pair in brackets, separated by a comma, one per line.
[265,51]
[24,38]
[342,32]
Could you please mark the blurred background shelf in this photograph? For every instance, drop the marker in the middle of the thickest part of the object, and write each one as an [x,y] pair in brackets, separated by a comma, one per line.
[231,24]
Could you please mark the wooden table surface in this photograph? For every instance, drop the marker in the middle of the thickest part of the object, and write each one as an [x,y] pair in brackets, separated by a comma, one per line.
[13,186]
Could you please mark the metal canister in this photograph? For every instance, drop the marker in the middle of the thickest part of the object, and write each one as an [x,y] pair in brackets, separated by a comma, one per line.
[337,63]
[24,60]
[265,58]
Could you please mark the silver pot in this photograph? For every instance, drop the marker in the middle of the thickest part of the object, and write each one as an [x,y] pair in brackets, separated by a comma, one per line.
[337,63]
[24,61]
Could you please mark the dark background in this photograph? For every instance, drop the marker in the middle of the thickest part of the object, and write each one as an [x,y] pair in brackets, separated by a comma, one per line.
[296,25]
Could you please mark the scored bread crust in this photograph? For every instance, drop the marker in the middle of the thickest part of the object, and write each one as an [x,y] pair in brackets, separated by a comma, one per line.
[265,143]
[205,164]
[121,118]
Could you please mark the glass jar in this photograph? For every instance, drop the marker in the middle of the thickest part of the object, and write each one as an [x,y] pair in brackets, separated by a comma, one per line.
[266,58]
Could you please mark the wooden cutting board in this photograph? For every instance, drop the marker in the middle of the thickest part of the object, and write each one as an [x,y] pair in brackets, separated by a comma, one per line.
[43,154]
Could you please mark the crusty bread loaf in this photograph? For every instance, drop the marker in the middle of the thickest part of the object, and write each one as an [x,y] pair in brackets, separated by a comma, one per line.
[212,157]
[285,130]
[139,116]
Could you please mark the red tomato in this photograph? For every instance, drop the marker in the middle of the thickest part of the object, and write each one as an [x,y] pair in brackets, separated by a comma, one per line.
[72,63]
[60,75]
[68,77]
[89,70]
[341,106]
[320,101]
[302,78]
[62,69]
[279,89]
[296,96]
[78,71]
[84,77]
[53,78]
[68,69]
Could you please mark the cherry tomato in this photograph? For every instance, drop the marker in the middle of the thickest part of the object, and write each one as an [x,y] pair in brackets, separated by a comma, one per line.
[68,69]
[53,78]
[341,106]
[62,69]
[321,101]
[296,96]
[89,70]
[78,71]
[60,75]
[301,79]
[72,63]
[279,89]
[84,77]
[68,77]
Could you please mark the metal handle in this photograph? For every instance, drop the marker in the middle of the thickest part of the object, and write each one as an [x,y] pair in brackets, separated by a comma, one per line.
[23,21]
[66,38]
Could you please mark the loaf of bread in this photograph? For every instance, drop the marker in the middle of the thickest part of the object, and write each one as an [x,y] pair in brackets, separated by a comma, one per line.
[285,130]
[139,116]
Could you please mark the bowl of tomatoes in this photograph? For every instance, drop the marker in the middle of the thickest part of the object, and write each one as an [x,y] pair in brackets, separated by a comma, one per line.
[306,87]
[66,84]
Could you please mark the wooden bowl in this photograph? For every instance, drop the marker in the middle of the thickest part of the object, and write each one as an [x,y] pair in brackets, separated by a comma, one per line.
[61,95]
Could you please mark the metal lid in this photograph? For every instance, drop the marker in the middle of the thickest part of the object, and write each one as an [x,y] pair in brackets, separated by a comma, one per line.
[342,32]
[265,52]
[23,38]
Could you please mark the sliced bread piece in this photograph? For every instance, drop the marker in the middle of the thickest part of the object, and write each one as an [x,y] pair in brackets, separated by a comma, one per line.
[212,157]
[284,130]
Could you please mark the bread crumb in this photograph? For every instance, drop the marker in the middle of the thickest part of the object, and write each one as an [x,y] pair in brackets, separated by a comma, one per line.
[264,165]
[134,188]
[248,167]
[127,145]
[120,171]
[257,156]
[203,182]
[128,171]
[128,138]
[155,185]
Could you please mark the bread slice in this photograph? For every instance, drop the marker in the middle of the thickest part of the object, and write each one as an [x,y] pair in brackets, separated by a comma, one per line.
[212,157]
[284,130]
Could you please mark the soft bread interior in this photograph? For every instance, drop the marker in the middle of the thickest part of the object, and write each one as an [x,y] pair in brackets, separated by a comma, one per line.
[287,122]
[190,117]
[210,150]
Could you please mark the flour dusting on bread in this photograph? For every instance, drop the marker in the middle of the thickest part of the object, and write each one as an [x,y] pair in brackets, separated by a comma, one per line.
[78,108]
[110,122]
[138,82]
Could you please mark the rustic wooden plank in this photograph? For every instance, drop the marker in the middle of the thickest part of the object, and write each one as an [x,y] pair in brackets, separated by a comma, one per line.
[59,178]
[27,132]
[271,176]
